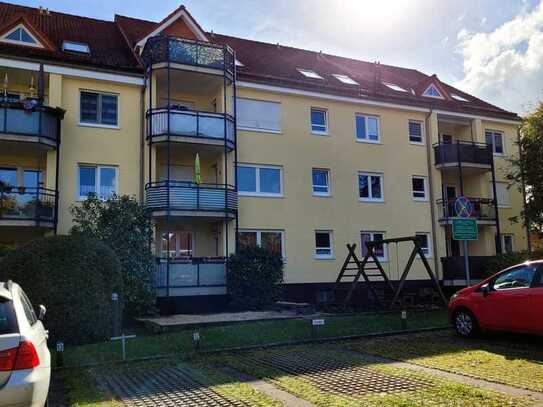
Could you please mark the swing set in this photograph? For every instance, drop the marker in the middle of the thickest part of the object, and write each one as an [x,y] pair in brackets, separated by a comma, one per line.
[370,263]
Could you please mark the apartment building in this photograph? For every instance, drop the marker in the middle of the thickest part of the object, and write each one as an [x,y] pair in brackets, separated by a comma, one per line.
[232,142]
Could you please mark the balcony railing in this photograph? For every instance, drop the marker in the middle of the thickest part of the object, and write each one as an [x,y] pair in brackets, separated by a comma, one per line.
[187,196]
[39,122]
[483,209]
[463,152]
[27,204]
[162,49]
[175,276]
[206,126]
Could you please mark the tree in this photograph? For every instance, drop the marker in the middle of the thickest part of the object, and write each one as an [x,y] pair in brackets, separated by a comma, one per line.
[122,223]
[525,170]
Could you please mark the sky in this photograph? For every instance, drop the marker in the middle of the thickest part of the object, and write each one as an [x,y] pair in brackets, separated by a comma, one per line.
[492,49]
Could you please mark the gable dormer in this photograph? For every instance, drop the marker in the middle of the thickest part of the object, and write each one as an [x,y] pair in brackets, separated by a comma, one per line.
[432,92]
[20,31]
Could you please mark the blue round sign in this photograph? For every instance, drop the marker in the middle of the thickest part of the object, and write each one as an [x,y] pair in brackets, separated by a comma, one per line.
[463,207]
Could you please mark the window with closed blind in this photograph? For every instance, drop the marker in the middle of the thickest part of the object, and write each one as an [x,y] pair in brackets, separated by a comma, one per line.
[258,115]
[502,192]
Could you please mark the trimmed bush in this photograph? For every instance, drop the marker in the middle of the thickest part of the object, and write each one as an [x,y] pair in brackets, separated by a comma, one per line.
[74,277]
[254,276]
[505,260]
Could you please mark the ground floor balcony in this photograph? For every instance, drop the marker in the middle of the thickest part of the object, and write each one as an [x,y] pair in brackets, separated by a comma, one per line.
[454,272]
[28,207]
[190,276]
[184,198]
[483,210]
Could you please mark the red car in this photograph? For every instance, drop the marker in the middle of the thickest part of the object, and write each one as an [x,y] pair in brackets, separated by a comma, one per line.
[511,300]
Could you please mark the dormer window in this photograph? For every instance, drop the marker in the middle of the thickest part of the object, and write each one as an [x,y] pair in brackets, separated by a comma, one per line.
[345,79]
[394,87]
[432,92]
[459,98]
[21,36]
[310,74]
[79,47]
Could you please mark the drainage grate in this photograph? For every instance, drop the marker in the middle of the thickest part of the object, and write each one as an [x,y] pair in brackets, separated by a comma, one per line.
[336,376]
[164,387]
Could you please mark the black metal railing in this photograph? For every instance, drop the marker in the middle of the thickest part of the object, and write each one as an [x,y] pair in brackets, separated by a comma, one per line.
[189,196]
[161,49]
[24,203]
[453,267]
[39,121]
[463,152]
[483,209]
[188,123]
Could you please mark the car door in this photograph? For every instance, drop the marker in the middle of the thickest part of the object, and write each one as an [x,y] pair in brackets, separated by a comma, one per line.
[37,333]
[506,306]
[536,302]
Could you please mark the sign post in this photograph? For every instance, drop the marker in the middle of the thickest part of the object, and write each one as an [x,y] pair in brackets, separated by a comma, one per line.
[464,228]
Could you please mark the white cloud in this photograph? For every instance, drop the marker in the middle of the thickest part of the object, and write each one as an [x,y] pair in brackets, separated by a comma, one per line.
[505,66]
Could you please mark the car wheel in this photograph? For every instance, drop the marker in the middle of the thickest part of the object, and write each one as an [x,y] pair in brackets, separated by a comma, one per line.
[465,324]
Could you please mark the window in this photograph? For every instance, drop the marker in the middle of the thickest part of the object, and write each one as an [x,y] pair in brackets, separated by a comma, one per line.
[98,180]
[258,115]
[425,244]
[432,92]
[321,182]
[520,277]
[272,240]
[260,180]
[319,121]
[345,79]
[177,244]
[367,128]
[495,139]
[310,74]
[502,191]
[394,87]
[323,244]
[379,249]
[415,132]
[507,243]
[370,187]
[72,46]
[459,98]
[99,108]
[20,35]
[28,309]
[418,188]
[8,177]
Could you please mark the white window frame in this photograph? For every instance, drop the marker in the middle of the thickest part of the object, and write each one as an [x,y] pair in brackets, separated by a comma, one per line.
[177,249]
[494,134]
[367,139]
[263,129]
[430,253]
[395,87]
[74,46]
[370,198]
[315,193]
[422,135]
[426,94]
[425,184]
[257,175]
[500,205]
[512,237]
[99,110]
[345,79]
[97,168]
[383,258]
[319,132]
[331,247]
[309,73]
[4,38]
[259,237]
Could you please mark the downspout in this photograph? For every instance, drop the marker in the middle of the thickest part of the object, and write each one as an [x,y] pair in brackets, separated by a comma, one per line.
[523,184]
[142,139]
[431,186]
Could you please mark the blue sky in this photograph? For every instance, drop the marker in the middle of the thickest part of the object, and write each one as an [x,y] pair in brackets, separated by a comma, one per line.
[490,48]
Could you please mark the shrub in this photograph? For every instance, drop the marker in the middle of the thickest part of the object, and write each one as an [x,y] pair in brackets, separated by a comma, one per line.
[254,277]
[73,276]
[502,261]
[122,223]
[5,249]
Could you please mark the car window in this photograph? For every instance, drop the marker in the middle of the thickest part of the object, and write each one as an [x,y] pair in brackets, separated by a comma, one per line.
[520,277]
[28,309]
[8,322]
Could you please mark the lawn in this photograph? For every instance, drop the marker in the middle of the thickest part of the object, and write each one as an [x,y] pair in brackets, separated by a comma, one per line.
[251,333]
[509,359]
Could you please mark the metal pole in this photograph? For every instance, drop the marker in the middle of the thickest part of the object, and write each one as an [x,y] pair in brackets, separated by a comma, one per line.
[496,211]
[466,263]
[465,242]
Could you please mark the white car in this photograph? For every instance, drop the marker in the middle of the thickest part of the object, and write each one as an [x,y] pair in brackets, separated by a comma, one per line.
[25,361]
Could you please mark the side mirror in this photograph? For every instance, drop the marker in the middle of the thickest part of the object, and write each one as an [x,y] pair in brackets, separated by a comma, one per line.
[486,290]
[42,312]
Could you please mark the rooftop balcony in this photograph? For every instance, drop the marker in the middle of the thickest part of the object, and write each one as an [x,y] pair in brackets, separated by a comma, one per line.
[38,124]
[483,210]
[171,124]
[180,198]
[24,206]
[180,53]
[464,153]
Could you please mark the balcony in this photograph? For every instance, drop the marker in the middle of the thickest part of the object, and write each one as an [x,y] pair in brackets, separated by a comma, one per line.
[190,276]
[180,198]
[483,210]
[454,273]
[216,129]
[23,206]
[464,153]
[39,124]
[186,54]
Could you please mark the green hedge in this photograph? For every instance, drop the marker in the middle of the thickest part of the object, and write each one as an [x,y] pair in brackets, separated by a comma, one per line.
[503,261]
[74,278]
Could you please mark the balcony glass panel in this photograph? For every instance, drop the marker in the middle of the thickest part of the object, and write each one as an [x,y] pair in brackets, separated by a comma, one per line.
[40,122]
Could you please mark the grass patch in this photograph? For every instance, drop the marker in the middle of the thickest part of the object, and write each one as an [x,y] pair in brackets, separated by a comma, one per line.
[81,390]
[513,360]
[245,334]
